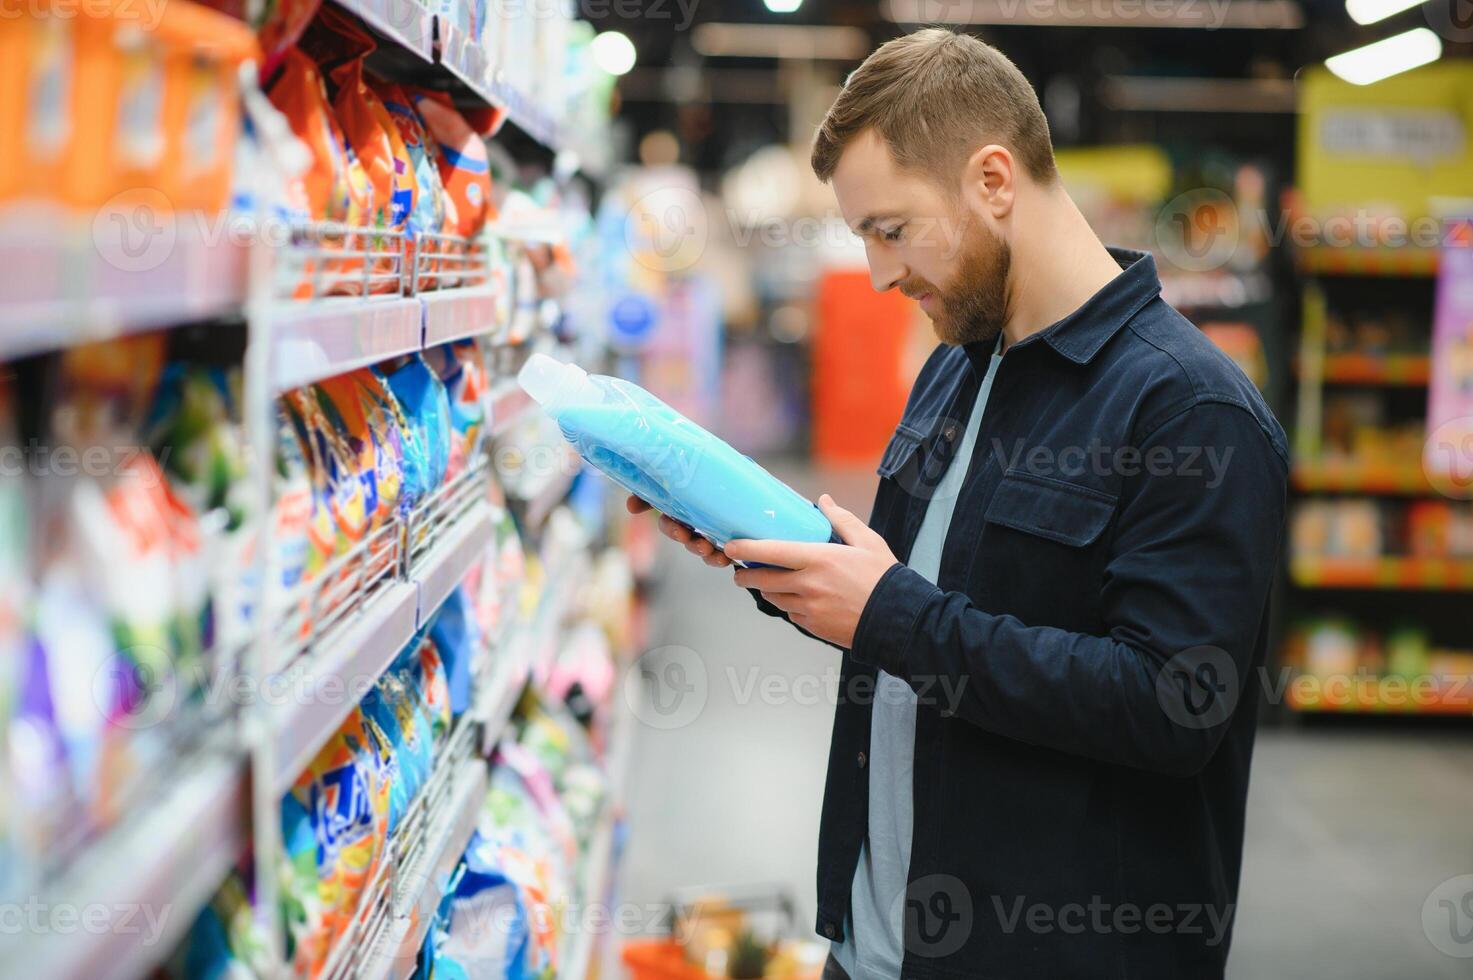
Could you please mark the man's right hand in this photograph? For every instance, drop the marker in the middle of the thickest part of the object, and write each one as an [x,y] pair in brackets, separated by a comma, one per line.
[676,531]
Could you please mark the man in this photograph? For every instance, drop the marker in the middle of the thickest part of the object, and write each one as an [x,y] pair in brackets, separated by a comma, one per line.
[1052,622]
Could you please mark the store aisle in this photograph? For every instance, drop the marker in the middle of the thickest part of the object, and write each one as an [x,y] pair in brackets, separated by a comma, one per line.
[1348,830]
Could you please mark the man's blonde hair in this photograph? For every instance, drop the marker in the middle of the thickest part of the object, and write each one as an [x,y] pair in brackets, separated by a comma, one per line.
[934,97]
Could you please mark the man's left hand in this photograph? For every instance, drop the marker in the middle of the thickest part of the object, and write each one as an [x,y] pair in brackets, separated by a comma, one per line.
[822,587]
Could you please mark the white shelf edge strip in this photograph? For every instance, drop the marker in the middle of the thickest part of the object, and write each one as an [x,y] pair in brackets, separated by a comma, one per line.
[454,314]
[399,952]
[322,339]
[447,564]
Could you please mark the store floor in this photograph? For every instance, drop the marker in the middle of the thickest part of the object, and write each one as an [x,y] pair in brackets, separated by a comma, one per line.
[1348,830]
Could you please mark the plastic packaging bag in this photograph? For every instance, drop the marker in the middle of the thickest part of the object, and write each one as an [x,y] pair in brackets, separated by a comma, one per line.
[661,456]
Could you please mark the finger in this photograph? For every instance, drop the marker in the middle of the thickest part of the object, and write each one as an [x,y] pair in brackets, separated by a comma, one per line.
[786,554]
[700,547]
[717,560]
[636,505]
[849,527]
[788,602]
[766,579]
[674,530]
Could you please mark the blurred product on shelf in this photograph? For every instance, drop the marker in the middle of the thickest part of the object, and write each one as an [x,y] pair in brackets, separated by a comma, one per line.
[121,116]
[1340,665]
[718,933]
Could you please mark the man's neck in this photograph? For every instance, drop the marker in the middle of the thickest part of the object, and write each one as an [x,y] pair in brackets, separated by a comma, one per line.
[1056,266]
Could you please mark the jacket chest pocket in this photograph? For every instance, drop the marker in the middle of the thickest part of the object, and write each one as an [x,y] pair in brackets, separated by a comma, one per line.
[916,459]
[1042,553]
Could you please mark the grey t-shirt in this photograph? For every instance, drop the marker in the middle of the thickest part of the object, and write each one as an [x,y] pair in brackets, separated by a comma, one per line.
[872,948]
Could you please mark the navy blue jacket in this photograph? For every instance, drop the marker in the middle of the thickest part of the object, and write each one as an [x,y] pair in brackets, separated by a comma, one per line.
[1086,665]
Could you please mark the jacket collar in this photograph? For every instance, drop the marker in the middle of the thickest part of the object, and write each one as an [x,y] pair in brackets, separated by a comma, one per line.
[1080,335]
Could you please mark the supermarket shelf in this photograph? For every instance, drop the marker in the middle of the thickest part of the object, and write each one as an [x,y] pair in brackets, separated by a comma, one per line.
[322,338]
[1386,572]
[398,952]
[322,689]
[454,314]
[468,61]
[1391,370]
[408,23]
[156,870]
[1378,700]
[325,688]
[1335,477]
[1409,262]
[498,698]
[552,492]
[67,282]
[446,564]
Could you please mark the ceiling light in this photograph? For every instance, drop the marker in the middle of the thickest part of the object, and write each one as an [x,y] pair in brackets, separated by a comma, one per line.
[1391,56]
[613,52]
[1371,11]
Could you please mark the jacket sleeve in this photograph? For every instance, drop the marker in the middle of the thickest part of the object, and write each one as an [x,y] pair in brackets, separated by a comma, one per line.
[1185,585]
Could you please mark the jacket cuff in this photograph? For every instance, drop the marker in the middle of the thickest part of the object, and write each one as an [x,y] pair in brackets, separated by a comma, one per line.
[887,623]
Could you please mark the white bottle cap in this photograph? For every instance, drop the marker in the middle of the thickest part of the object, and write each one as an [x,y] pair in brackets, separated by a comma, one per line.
[553,384]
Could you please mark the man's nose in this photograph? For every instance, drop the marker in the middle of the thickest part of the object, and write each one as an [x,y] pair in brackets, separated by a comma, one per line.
[884,272]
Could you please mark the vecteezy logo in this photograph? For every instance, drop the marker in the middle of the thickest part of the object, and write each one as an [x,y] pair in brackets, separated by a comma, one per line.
[1453,19]
[938,916]
[1198,231]
[135,688]
[1198,688]
[136,230]
[1447,457]
[1447,917]
[667,229]
[667,687]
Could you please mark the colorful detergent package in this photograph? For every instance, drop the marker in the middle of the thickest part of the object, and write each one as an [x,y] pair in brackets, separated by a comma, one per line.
[96,111]
[363,449]
[127,590]
[382,157]
[521,864]
[341,811]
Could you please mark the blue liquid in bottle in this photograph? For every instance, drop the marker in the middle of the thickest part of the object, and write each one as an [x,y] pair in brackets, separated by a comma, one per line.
[664,458]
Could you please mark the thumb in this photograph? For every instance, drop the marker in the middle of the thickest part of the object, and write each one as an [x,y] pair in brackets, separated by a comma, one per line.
[850,528]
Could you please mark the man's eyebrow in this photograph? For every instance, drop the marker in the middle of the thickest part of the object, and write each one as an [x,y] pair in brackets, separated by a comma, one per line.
[868,221]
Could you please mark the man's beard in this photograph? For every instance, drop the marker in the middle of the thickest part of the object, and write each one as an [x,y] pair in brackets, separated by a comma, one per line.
[974,307]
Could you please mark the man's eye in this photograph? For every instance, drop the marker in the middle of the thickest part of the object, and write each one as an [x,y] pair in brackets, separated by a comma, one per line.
[893,235]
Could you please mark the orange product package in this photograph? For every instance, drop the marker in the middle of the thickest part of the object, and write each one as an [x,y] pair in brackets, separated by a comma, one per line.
[117,98]
[428,213]
[280,26]
[298,92]
[465,170]
[334,190]
[358,415]
[37,104]
[339,42]
[375,140]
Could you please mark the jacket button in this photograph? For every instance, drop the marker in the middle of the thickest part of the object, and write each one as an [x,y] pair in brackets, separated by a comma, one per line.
[829,930]
[862,759]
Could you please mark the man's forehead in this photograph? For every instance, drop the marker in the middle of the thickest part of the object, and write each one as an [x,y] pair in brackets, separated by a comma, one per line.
[866,183]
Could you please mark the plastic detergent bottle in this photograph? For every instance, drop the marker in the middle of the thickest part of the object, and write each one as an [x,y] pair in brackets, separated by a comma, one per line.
[664,458]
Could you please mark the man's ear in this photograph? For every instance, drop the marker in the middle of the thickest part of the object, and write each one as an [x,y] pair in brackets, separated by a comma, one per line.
[988,180]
